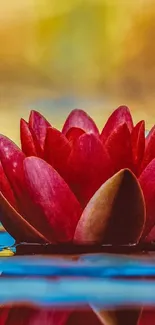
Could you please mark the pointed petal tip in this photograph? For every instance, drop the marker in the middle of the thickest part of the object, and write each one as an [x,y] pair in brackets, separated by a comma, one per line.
[23,121]
[27,141]
[80,119]
[120,115]
[36,116]
[34,112]
[123,110]
[38,126]
[73,134]
[115,214]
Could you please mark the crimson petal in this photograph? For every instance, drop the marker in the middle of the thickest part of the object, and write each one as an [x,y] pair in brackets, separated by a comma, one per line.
[23,315]
[27,142]
[16,225]
[5,188]
[80,119]
[119,317]
[83,317]
[149,148]
[57,150]
[119,116]
[147,317]
[12,160]
[151,236]
[115,214]
[147,182]
[59,208]
[89,166]
[29,316]
[38,125]
[119,147]
[73,134]
[4,314]
[138,144]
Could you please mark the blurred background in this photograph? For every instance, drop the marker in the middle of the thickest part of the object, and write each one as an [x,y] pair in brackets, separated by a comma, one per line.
[61,54]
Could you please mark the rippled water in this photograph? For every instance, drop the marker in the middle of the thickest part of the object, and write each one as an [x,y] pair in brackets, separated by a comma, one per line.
[105,280]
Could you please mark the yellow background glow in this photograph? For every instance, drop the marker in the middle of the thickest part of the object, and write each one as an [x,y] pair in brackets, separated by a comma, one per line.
[61,54]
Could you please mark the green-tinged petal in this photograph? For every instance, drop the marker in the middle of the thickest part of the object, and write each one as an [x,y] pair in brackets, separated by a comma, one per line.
[115,214]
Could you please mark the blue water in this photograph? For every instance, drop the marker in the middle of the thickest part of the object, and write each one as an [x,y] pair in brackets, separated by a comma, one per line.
[93,279]
[6,239]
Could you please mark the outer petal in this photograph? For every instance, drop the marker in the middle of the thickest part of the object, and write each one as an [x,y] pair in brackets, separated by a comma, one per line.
[119,317]
[57,150]
[149,149]
[147,317]
[115,214]
[89,166]
[119,147]
[80,119]
[73,134]
[138,144]
[119,116]
[83,318]
[59,209]
[27,142]
[29,316]
[16,225]
[38,124]
[151,235]
[5,188]
[147,182]
[4,313]
[21,315]
[12,160]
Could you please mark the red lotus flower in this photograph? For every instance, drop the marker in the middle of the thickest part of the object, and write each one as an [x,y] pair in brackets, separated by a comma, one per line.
[79,185]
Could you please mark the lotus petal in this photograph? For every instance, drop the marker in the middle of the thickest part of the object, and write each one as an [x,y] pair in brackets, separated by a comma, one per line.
[80,119]
[16,225]
[27,142]
[115,214]
[151,236]
[149,153]
[120,116]
[5,188]
[59,208]
[119,317]
[12,161]
[4,314]
[23,315]
[147,317]
[38,125]
[119,147]
[57,150]
[73,134]
[138,144]
[89,166]
[147,182]
[83,317]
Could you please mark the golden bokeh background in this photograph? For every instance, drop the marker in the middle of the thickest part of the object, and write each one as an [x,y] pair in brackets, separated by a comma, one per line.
[62,54]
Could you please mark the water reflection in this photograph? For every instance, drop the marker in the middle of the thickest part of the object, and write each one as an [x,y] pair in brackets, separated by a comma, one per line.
[6,243]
